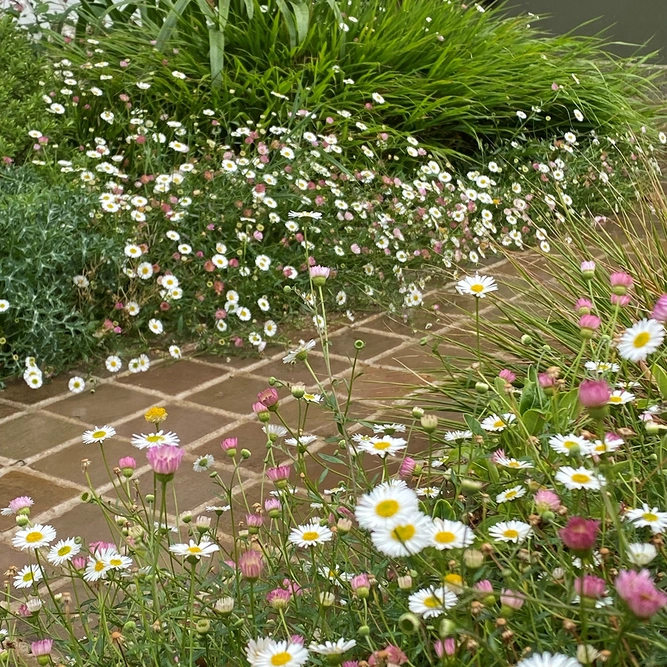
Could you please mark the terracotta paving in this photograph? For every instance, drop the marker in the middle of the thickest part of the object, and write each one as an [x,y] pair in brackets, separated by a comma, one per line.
[207,398]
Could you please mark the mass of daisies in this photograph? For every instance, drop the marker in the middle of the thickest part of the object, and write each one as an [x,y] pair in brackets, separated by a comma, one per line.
[527,532]
[214,230]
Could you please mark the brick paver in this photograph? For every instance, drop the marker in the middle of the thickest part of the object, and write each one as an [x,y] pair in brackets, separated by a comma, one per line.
[207,398]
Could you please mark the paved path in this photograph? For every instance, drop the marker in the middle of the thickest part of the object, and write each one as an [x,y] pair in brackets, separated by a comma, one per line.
[207,398]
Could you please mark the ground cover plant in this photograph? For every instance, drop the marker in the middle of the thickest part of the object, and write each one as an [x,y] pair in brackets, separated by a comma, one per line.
[195,239]
[531,535]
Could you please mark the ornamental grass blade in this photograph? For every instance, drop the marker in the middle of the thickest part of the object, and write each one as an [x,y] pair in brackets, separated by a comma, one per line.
[216,41]
[170,23]
[302,17]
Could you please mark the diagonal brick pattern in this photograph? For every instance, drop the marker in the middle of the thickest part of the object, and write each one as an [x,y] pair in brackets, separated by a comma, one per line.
[208,399]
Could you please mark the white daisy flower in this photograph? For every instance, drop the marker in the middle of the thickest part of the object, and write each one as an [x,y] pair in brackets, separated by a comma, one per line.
[548,660]
[98,434]
[610,444]
[113,363]
[203,463]
[579,478]
[27,576]
[620,397]
[570,444]
[33,537]
[602,366]
[76,384]
[477,285]
[387,503]
[498,423]
[155,439]
[651,517]
[511,494]
[204,549]
[447,534]
[405,537]
[155,326]
[333,648]
[450,436]
[641,554]
[640,340]
[310,534]
[431,602]
[174,352]
[510,531]
[96,568]
[63,551]
[278,654]
[300,352]
[383,446]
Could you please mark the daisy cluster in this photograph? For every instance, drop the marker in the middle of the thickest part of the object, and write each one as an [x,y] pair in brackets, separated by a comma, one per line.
[214,227]
[412,555]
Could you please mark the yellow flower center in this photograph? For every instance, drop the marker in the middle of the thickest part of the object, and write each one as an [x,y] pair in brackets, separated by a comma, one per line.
[510,494]
[194,550]
[34,536]
[403,533]
[99,434]
[498,423]
[511,534]
[280,659]
[386,508]
[513,464]
[453,578]
[28,576]
[641,339]
[568,444]
[445,537]
[382,445]
[615,399]
[477,288]
[649,516]
[154,437]
[115,562]
[64,550]
[310,536]
[581,478]
[99,566]
[432,602]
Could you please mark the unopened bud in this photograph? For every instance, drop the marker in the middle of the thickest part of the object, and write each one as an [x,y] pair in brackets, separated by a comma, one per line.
[298,390]
[429,423]
[473,558]
[417,412]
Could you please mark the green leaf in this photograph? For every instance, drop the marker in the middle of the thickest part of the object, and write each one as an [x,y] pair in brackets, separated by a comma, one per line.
[533,420]
[474,425]
[330,459]
[528,397]
[661,379]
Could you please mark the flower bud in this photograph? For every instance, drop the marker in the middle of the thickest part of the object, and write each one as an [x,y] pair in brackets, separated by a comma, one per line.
[473,559]
[298,389]
[417,412]
[587,654]
[429,423]
[364,631]
[203,626]
[409,623]
[245,453]
[405,582]
[447,628]
[481,387]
